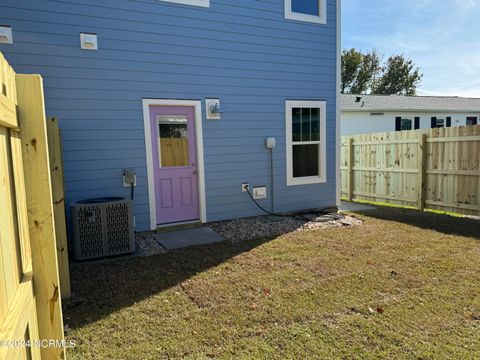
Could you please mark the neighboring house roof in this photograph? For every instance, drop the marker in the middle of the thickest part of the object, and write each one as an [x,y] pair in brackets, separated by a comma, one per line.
[409,103]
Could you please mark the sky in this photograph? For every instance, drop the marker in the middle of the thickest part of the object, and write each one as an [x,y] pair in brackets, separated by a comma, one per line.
[441,37]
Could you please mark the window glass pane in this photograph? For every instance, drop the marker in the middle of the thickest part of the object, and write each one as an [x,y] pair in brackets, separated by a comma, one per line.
[173,143]
[440,123]
[305,160]
[306,124]
[472,120]
[309,7]
[406,124]
[315,121]
[296,124]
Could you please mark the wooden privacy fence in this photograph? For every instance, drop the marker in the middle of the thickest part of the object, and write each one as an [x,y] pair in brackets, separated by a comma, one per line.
[436,169]
[174,151]
[30,304]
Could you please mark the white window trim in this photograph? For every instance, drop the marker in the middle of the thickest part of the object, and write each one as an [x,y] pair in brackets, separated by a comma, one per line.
[203,3]
[322,178]
[320,19]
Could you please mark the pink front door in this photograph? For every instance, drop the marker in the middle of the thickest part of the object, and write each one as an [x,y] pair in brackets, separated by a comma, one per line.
[174,163]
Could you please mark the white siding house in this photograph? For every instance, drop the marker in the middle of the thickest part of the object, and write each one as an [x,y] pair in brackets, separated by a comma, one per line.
[363,114]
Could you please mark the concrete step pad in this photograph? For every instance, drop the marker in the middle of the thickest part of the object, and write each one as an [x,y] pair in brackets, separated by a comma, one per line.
[188,237]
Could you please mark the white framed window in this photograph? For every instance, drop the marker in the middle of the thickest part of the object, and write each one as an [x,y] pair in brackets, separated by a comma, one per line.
[314,11]
[306,142]
[438,122]
[472,120]
[204,3]
[406,124]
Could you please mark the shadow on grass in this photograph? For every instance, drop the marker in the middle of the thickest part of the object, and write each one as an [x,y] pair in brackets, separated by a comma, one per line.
[100,289]
[103,288]
[445,224]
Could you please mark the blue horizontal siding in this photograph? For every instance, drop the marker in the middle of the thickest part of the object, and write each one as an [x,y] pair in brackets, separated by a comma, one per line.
[243,52]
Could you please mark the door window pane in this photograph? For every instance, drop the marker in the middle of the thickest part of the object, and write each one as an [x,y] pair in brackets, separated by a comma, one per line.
[305,160]
[173,142]
[309,7]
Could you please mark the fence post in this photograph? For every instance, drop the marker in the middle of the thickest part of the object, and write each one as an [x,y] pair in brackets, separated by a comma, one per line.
[421,161]
[58,196]
[33,134]
[351,180]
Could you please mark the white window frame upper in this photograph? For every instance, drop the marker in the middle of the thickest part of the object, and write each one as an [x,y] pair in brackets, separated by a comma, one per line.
[203,3]
[322,158]
[320,19]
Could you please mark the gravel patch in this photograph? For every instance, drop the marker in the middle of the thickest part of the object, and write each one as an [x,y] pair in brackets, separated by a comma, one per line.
[238,230]
[149,245]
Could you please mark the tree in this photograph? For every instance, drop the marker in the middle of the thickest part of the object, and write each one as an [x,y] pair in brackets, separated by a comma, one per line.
[364,73]
[351,61]
[367,73]
[359,71]
[400,77]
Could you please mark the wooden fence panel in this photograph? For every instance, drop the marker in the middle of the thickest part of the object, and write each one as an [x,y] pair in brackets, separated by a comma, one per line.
[8,95]
[453,170]
[18,318]
[58,195]
[430,168]
[33,134]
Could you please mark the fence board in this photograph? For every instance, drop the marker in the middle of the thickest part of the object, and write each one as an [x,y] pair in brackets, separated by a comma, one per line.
[437,168]
[33,134]
[8,95]
[58,197]
[18,319]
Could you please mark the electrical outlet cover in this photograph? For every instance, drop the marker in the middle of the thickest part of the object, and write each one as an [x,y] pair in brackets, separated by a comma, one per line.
[129,177]
[260,192]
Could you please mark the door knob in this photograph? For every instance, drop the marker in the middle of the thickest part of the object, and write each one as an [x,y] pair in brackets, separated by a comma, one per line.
[194,164]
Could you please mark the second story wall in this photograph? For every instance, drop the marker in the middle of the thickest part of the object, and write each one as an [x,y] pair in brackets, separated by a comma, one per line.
[244,52]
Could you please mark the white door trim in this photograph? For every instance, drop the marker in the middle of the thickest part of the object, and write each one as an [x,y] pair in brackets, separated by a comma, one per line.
[197,105]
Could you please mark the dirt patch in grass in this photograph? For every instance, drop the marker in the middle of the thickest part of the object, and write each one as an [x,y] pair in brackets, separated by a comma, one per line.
[403,285]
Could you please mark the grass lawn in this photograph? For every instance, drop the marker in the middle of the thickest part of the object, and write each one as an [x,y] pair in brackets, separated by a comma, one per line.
[405,284]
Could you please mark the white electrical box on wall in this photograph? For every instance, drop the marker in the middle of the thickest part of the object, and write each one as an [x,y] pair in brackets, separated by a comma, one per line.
[88,41]
[260,192]
[270,143]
